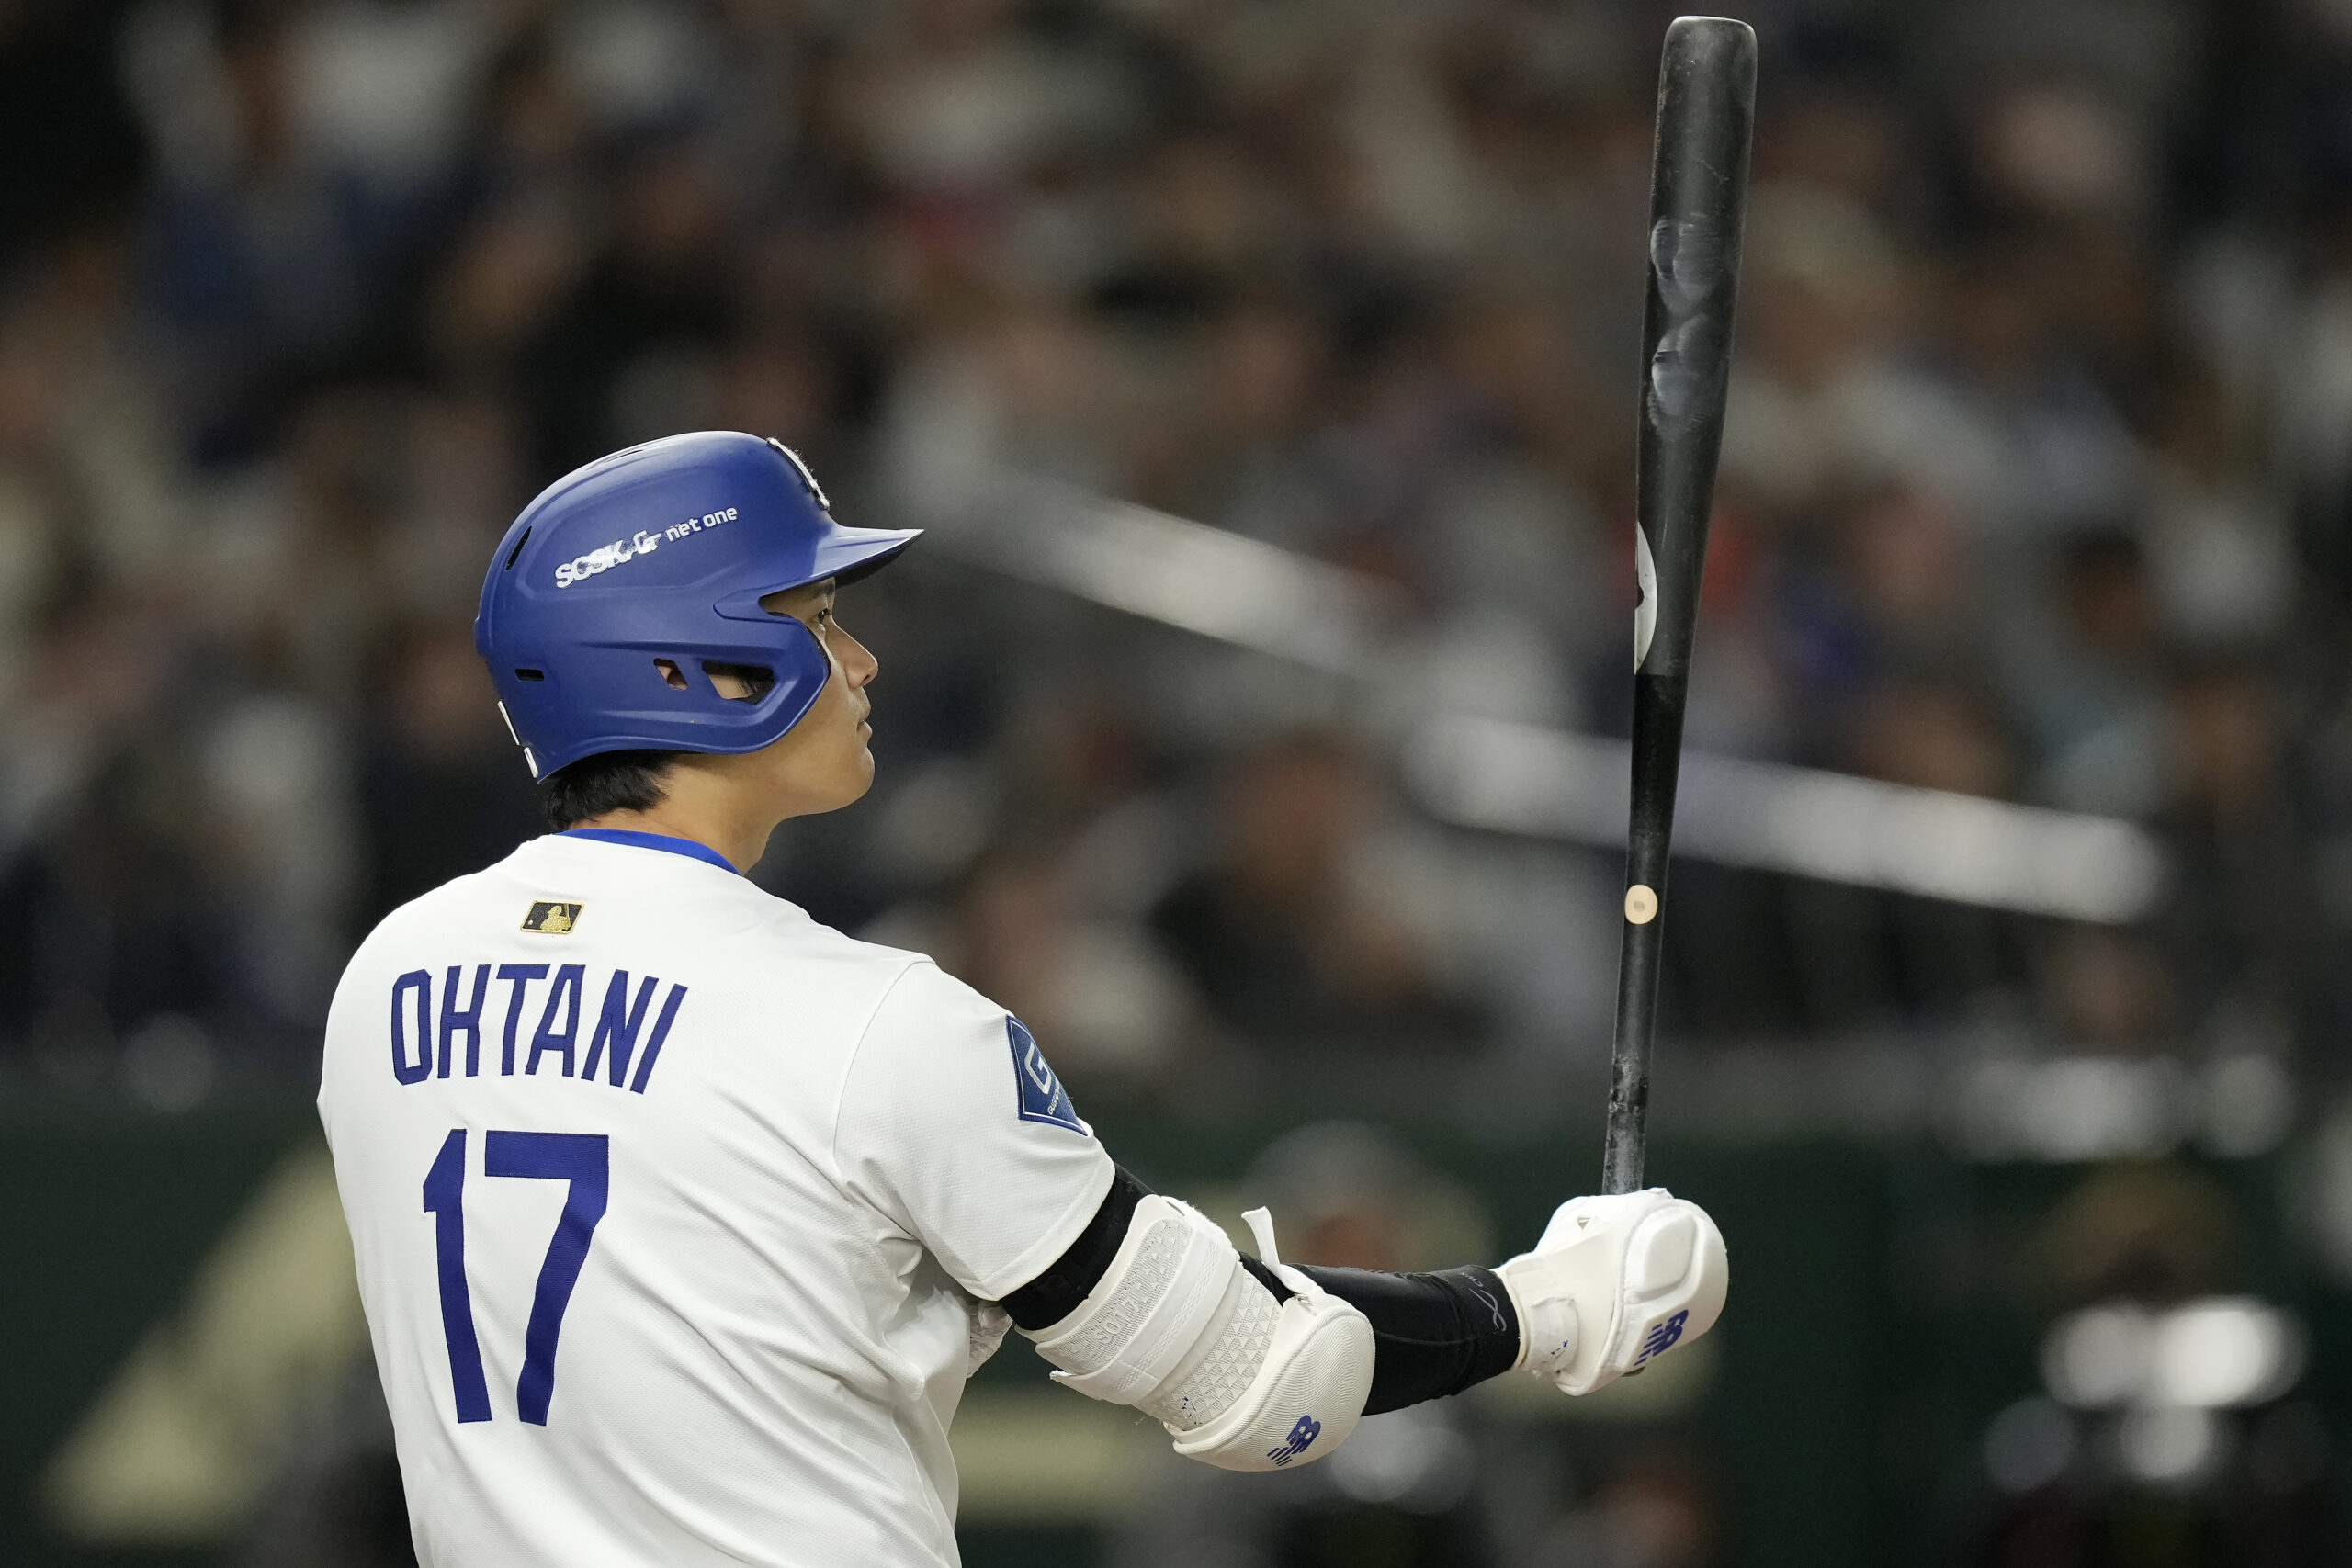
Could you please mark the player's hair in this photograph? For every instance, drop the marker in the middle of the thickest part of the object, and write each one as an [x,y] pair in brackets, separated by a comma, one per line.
[609,781]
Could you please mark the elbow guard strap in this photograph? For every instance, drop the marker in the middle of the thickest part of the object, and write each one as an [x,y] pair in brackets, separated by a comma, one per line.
[1140,1322]
[1179,1328]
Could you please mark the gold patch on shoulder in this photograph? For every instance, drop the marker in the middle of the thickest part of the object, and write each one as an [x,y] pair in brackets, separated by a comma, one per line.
[549,918]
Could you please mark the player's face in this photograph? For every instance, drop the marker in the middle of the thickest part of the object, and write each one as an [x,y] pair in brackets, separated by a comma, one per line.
[821,764]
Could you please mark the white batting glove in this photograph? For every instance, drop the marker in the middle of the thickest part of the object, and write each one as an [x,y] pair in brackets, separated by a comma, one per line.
[1614,1283]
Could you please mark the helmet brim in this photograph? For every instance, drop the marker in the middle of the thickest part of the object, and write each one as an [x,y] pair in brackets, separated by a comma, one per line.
[846,556]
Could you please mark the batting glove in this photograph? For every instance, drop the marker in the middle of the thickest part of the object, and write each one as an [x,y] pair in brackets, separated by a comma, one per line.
[1614,1283]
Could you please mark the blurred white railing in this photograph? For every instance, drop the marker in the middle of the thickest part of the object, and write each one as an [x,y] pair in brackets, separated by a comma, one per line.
[1518,778]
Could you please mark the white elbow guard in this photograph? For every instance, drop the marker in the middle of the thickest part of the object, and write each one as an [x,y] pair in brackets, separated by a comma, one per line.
[1178,1328]
[1614,1283]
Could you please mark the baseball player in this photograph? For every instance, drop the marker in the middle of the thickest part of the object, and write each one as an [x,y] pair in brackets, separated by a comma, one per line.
[681,1219]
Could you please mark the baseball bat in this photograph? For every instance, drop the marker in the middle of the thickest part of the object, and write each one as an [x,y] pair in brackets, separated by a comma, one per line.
[1706,114]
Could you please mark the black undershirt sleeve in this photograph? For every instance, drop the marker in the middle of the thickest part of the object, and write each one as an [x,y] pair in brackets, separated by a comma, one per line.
[1432,1333]
[1054,1294]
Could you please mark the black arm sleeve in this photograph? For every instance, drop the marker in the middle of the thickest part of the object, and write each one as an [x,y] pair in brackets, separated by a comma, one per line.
[1054,1294]
[1432,1333]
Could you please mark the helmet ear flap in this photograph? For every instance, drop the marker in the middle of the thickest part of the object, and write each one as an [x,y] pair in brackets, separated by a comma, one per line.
[739,682]
[780,691]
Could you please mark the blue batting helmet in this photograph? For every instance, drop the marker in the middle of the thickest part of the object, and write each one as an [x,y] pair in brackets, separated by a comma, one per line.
[663,552]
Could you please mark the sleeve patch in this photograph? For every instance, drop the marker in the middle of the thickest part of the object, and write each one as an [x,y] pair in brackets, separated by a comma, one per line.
[1041,1097]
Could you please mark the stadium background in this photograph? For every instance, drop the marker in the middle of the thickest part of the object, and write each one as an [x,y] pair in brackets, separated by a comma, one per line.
[2039,488]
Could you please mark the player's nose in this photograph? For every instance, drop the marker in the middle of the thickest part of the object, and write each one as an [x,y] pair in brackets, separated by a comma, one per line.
[858,663]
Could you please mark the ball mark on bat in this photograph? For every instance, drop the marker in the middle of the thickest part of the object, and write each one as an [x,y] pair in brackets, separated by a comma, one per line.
[1687,364]
[1686,256]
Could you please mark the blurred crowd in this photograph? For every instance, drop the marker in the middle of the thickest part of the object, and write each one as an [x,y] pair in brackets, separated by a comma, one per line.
[2038,485]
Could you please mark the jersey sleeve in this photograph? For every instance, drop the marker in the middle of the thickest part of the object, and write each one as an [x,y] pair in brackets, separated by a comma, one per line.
[953,1127]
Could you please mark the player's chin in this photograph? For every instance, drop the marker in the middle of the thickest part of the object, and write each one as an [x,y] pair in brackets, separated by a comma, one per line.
[856,773]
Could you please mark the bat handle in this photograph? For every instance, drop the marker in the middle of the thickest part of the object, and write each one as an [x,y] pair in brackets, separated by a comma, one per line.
[1622,1158]
[1656,756]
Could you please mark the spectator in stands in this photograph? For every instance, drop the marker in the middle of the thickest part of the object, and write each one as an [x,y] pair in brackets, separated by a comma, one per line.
[1288,939]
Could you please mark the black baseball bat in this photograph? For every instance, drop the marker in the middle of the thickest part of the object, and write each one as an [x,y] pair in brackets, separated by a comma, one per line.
[1706,114]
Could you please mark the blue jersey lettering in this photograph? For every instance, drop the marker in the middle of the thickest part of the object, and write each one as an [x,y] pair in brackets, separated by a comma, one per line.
[467,1021]
[418,981]
[619,1041]
[565,993]
[519,976]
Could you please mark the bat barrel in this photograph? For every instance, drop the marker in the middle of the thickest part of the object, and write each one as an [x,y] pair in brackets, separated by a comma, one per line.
[1706,114]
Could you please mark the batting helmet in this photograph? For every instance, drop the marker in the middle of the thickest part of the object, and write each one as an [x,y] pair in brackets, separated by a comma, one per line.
[663,552]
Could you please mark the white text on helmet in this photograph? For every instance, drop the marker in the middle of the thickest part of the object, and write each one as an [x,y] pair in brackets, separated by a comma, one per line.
[603,557]
[696,524]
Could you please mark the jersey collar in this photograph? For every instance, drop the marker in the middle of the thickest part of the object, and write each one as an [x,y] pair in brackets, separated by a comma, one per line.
[667,843]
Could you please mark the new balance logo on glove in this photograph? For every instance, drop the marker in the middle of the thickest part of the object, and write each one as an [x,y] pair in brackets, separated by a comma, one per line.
[1301,1437]
[1662,1337]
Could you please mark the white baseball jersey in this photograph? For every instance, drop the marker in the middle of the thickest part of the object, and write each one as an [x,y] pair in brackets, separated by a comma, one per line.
[671,1209]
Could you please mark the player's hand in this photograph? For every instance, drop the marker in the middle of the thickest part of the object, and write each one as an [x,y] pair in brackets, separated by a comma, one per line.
[1614,1283]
